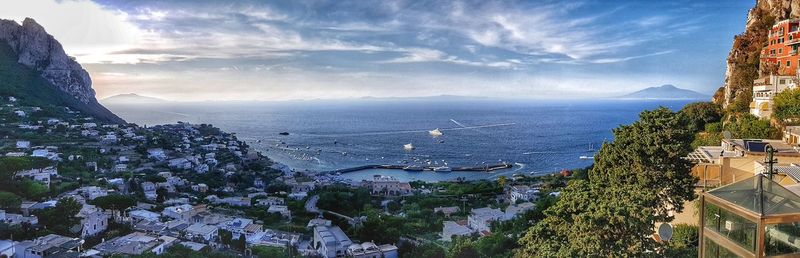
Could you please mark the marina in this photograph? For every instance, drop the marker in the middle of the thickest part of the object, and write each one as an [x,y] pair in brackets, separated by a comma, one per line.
[486,168]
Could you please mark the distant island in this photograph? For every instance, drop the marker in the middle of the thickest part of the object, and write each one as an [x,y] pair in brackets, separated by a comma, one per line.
[667,91]
[132,98]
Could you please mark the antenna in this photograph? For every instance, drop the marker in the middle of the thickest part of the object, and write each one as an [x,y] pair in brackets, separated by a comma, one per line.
[665,232]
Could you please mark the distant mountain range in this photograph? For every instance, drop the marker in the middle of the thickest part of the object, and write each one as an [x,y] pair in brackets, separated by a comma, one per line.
[132,98]
[667,91]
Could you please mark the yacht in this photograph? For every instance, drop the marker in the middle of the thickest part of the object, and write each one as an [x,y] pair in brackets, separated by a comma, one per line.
[408,147]
[586,157]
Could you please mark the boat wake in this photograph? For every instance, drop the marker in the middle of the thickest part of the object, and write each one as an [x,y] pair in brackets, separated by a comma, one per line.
[462,127]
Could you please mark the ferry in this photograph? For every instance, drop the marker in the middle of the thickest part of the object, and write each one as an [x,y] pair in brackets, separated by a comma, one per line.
[442,169]
[413,168]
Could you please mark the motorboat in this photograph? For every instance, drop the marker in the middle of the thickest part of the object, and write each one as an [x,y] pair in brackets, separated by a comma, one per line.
[408,147]
[435,132]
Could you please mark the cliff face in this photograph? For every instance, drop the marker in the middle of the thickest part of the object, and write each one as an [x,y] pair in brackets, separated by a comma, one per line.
[743,59]
[36,49]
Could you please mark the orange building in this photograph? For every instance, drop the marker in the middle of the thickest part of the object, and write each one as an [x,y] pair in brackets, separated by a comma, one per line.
[781,49]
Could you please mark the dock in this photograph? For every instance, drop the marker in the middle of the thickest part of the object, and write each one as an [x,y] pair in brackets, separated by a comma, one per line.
[486,168]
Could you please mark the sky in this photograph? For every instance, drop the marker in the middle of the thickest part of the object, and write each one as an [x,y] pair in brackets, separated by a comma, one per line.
[195,50]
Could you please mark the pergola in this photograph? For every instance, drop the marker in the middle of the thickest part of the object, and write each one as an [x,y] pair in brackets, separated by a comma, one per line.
[755,217]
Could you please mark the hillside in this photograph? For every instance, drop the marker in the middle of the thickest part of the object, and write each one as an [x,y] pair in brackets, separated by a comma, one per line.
[743,59]
[35,69]
[31,89]
[666,91]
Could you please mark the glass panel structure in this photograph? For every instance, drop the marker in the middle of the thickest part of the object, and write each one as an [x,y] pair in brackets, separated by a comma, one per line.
[731,226]
[782,239]
[755,217]
[760,195]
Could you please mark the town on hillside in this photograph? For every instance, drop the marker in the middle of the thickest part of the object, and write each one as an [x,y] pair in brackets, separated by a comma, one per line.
[72,186]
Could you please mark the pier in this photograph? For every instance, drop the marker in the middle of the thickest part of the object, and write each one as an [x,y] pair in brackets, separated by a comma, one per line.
[486,168]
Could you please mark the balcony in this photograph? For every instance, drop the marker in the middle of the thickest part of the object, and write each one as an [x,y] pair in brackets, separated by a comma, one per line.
[792,42]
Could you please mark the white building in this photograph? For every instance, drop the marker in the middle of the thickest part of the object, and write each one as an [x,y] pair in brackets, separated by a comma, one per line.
[202,231]
[522,193]
[48,246]
[41,175]
[330,241]
[182,212]
[481,219]
[156,154]
[23,144]
[282,209]
[389,186]
[452,228]
[140,215]
[93,220]
[370,250]
[271,200]
[765,89]
[136,243]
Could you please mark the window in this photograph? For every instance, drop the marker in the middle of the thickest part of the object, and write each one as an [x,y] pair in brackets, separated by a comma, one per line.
[780,239]
[734,227]
[780,51]
[788,63]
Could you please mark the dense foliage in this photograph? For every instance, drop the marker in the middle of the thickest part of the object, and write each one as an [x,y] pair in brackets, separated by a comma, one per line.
[787,105]
[747,126]
[636,181]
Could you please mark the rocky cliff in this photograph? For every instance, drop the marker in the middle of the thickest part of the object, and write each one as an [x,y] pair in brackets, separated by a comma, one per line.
[39,51]
[743,59]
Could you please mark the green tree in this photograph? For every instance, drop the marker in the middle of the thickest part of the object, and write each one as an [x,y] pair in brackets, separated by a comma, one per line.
[62,217]
[699,114]
[650,154]
[428,250]
[787,105]
[261,251]
[684,241]
[463,248]
[9,201]
[115,202]
[33,190]
[240,243]
[225,236]
[636,181]
[747,126]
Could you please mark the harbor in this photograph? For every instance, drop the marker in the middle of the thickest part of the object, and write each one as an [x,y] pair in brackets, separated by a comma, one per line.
[485,168]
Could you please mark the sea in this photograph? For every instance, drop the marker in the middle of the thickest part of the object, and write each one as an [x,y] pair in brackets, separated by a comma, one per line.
[537,137]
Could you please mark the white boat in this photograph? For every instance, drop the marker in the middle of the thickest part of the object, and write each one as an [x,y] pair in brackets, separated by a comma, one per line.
[587,157]
[442,169]
[408,147]
[435,132]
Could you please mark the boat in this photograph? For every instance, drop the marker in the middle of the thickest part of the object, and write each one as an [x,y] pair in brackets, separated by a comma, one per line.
[284,133]
[442,169]
[435,132]
[413,168]
[586,157]
[408,147]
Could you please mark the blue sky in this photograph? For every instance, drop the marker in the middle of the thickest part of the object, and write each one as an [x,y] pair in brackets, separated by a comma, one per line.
[278,50]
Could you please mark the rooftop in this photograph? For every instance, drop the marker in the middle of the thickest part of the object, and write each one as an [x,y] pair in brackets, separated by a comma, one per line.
[759,195]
